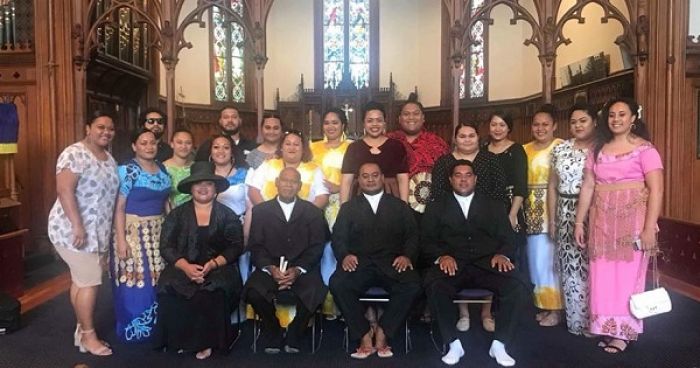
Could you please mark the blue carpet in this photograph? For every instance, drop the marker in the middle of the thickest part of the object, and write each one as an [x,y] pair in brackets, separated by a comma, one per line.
[671,340]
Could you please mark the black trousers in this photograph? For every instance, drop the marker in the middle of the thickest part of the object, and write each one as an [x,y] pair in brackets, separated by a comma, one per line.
[348,287]
[271,334]
[509,291]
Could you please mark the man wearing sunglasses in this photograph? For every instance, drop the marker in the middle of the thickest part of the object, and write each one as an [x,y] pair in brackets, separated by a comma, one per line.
[154,120]
[230,124]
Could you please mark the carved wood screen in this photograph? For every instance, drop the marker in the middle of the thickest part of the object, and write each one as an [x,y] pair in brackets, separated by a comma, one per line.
[16,26]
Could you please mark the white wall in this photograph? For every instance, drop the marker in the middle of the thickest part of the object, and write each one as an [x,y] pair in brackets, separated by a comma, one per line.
[514,69]
[410,47]
[192,74]
[590,38]
[694,18]
[290,49]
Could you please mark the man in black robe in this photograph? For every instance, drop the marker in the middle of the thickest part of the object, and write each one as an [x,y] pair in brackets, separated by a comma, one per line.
[470,240]
[295,229]
[375,241]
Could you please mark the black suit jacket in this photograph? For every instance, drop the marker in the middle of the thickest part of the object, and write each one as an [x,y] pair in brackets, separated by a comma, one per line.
[472,241]
[300,240]
[376,238]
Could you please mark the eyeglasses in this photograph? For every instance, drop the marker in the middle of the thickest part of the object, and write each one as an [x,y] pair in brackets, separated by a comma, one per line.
[159,121]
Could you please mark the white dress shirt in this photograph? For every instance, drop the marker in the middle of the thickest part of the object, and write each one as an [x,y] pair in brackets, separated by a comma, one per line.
[287,208]
[464,202]
[374,200]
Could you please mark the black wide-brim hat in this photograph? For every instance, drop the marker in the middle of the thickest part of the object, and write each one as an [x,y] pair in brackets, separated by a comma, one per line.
[202,171]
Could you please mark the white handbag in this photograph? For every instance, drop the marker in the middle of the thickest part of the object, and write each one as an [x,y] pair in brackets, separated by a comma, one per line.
[652,302]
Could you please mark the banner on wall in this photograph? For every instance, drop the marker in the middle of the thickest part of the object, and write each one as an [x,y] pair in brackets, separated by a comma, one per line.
[9,128]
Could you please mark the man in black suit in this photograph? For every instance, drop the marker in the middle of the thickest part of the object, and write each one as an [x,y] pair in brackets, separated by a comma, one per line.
[375,240]
[470,240]
[295,229]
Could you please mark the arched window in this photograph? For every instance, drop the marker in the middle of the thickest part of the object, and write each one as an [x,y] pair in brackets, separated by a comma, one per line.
[348,35]
[228,63]
[472,84]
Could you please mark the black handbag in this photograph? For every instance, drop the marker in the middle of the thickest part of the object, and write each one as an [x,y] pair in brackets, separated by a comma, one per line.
[10,312]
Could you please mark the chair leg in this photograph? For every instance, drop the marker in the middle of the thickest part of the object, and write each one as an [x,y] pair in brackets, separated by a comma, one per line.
[256,333]
[407,332]
[346,341]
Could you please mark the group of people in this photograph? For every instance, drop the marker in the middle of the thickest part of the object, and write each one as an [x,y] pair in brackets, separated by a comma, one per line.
[288,227]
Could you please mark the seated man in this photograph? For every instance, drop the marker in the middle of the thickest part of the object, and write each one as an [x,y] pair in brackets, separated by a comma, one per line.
[469,237]
[295,229]
[375,241]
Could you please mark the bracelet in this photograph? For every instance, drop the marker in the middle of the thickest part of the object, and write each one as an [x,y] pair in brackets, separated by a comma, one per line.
[215,262]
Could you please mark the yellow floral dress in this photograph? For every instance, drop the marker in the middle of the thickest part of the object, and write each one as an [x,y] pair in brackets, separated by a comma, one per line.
[331,161]
[540,248]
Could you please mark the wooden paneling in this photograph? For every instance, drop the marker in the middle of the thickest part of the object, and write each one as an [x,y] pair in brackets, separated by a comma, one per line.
[597,92]
[672,108]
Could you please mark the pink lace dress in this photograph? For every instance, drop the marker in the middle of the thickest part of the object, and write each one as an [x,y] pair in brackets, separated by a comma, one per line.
[616,219]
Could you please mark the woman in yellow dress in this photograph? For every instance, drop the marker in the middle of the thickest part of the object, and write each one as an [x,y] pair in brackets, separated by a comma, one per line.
[328,155]
[540,247]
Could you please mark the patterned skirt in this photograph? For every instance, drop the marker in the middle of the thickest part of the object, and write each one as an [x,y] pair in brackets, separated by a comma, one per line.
[616,270]
[573,264]
[134,279]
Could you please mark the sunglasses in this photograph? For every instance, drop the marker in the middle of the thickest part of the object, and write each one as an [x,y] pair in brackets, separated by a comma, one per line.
[295,132]
[159,121]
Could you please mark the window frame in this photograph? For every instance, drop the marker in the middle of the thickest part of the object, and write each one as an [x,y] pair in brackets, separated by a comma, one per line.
[373,44]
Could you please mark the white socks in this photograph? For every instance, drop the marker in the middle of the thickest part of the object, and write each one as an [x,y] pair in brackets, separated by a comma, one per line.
[455,353]
[498,352]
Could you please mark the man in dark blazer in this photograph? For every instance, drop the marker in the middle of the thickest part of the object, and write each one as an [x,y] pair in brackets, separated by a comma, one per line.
[375,241]
[295,229]
[470,240]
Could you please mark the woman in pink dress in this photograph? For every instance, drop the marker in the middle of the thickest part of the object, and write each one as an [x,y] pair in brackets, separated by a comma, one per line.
[622,188]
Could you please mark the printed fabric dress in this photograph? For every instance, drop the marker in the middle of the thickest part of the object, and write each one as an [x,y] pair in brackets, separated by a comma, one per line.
[616,220]
[135,279]
[176,175]
[573,261]
[544,273]
[330,160]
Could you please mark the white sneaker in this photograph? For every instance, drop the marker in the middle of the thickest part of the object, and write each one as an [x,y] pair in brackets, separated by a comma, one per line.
[463,324]
[455,354]
[498,352]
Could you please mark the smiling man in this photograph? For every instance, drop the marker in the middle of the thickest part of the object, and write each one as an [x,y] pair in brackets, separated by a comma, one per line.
[294,229]
[469,239]
[423,148]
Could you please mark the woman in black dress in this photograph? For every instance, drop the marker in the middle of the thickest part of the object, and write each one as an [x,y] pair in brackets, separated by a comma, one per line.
[200,286]
[491,182]
[513,159]
[376,147]
[491,176]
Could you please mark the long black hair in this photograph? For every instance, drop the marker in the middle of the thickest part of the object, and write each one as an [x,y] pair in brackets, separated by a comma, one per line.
[605,135]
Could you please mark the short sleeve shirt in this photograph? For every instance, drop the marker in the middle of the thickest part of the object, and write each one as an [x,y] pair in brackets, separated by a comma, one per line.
[95,194]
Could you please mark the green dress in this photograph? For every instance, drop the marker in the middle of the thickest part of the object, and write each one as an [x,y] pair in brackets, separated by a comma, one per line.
[177,174]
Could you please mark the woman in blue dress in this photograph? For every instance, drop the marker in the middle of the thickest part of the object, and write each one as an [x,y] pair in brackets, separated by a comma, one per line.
[144,186]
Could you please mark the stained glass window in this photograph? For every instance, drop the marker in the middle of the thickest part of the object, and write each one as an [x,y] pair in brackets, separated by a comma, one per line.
[474,73]
[228,57]
[346,31]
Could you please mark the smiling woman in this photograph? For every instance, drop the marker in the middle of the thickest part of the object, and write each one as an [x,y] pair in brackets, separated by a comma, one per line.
[136,261]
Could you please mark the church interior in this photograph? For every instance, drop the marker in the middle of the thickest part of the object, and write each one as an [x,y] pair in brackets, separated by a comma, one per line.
[61,60]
